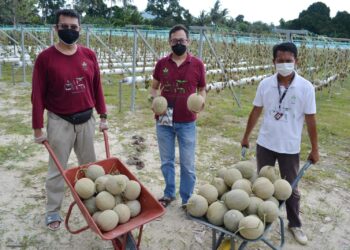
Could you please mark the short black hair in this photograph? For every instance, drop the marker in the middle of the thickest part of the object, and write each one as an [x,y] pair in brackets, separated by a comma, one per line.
[286,46]
[66,12]
[178,27]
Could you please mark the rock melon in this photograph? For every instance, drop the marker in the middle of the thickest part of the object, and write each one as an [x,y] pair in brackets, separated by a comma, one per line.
[195,102]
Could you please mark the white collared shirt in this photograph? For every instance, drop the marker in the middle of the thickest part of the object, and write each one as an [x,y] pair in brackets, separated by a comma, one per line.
[284,135]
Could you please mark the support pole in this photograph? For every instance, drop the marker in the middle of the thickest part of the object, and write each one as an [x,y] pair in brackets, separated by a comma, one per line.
[134,54]
[23,55]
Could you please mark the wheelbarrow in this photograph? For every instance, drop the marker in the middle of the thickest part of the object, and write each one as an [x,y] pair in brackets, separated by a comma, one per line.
[120,236]
[218,233]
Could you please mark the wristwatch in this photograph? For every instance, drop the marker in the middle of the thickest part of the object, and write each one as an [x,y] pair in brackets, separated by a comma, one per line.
[103,116]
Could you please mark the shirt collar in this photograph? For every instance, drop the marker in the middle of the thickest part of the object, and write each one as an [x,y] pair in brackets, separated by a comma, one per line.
[292,85]
[187,60]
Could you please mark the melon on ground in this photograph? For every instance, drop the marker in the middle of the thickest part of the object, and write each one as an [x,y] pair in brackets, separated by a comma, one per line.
[195,102]
[159,105]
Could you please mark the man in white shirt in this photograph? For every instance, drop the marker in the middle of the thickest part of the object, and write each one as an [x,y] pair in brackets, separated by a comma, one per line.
[287,100]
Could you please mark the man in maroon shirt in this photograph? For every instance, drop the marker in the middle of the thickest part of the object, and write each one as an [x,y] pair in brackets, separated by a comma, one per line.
[66,82]
[178,75]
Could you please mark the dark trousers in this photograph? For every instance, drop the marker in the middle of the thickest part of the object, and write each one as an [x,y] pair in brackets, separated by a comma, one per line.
[289,167]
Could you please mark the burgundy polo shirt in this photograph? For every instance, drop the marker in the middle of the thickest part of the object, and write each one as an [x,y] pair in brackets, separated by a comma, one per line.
[178,83]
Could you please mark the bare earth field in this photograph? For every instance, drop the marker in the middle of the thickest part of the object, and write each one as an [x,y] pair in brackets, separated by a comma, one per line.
[325,194]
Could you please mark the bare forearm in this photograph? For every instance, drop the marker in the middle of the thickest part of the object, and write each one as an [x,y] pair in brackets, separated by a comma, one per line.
[312,130]
[154,88]
[202,92]
[252,120]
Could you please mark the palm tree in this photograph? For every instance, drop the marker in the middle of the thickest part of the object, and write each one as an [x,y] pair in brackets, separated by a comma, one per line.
[216,15]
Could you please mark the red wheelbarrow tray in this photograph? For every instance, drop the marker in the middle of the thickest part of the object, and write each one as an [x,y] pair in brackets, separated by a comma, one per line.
[150,207]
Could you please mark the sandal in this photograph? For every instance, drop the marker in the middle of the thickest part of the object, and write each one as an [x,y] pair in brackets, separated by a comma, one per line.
[165,201]
[53,221]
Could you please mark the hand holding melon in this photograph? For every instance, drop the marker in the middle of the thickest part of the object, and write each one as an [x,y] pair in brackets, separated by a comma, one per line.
[159,105]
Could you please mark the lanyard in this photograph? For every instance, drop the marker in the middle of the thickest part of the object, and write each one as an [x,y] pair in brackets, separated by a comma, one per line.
[281,97]
[284,92]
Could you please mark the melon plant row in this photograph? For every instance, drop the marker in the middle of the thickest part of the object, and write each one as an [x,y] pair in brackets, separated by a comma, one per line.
[240,199]
[110,199]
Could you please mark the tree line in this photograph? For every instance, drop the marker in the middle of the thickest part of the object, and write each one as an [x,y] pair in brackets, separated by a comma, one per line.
[165,13]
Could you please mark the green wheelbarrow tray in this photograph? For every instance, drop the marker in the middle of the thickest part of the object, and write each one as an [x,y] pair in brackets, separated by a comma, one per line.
[217,230]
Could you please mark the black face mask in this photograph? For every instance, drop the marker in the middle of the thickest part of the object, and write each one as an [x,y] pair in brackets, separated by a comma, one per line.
[179,49]
[68,36]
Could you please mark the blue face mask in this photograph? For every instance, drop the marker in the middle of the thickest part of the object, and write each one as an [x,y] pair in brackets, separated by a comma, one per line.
[68,36]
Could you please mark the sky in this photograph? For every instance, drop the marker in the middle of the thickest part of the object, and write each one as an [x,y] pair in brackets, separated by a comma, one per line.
[267,11]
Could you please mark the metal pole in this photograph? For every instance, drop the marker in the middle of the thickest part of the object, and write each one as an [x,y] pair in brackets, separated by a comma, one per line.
[120,96]
[52,36]
[134,52]
[0,70]
[222,68]
[13,72]
[87,37]
[201,41]
[23,55]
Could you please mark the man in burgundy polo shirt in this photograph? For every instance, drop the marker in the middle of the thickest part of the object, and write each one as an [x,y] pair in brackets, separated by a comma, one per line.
[177,76]
[66,82]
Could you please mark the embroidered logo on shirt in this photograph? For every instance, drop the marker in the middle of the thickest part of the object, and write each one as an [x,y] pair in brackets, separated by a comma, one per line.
[84,66]
[165,71]
[75,86]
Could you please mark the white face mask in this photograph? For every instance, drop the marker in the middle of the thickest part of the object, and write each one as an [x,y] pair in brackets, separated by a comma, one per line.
[284,69]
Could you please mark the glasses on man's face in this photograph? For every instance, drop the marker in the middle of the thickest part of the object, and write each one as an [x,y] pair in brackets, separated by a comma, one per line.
[177,41]
[63,26]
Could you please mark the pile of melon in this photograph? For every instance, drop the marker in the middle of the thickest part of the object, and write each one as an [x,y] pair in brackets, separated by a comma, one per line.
[111,199]
[241,200]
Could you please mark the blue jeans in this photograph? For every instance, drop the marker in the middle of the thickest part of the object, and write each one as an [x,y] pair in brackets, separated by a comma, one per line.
[186,136]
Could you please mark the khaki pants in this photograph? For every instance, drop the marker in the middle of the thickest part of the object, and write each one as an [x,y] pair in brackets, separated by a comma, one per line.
[63,137]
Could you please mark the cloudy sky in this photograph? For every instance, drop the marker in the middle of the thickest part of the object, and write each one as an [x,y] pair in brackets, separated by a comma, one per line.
[267,11]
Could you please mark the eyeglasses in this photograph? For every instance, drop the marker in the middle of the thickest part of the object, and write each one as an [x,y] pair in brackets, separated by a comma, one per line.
[64,26]
[177,41]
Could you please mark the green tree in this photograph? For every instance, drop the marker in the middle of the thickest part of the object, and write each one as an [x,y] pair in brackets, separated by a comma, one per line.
[217,15]
[341,25]
[19,12]
[49,8]
[168,13]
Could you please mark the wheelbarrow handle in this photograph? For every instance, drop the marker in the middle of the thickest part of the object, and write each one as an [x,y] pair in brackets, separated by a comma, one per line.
[105,136]
[301,173]
[244,152]
[66,222]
